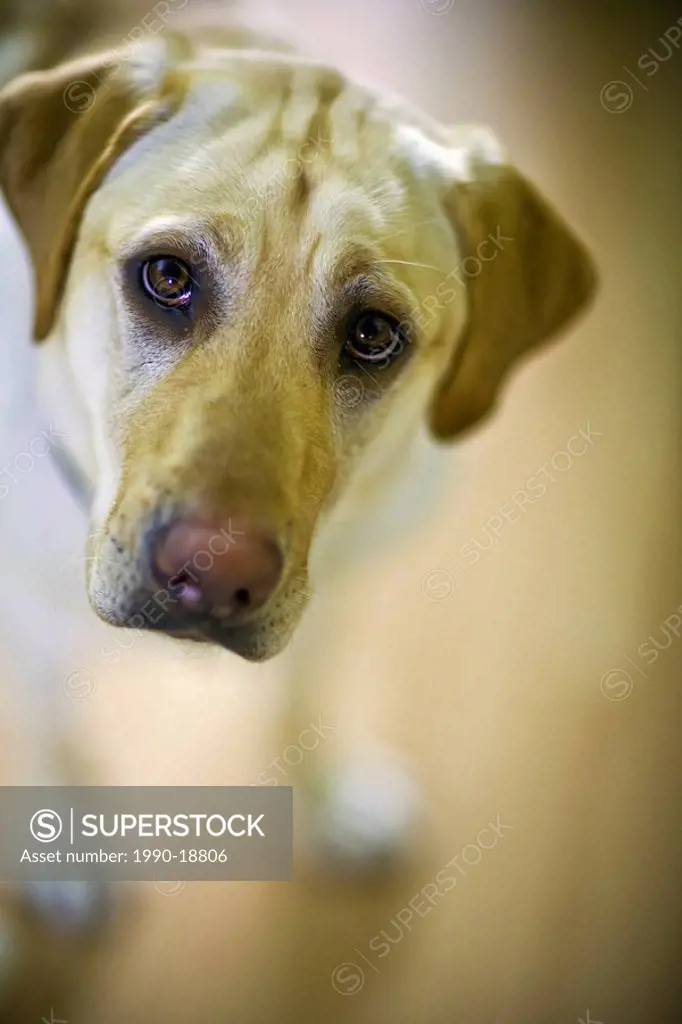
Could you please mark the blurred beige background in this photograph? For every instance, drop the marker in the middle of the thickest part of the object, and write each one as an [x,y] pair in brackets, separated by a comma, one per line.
[515,690]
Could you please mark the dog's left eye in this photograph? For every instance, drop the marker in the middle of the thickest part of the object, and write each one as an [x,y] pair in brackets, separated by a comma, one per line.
[374,337]
[168,281]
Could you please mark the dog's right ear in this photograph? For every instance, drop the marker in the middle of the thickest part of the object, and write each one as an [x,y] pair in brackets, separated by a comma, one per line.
[61,131]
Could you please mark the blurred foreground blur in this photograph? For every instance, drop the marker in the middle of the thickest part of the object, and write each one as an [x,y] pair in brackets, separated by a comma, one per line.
[536,686]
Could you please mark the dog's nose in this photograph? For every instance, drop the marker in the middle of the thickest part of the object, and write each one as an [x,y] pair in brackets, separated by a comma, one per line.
[230,569]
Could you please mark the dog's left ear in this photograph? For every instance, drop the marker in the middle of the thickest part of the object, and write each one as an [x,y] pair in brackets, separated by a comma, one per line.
[61,131]
[526,276]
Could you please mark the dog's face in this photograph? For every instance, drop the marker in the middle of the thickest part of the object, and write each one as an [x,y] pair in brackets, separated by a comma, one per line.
[264,278]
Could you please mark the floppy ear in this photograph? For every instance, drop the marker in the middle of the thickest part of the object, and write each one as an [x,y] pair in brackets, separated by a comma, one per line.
[526,276]
[61,131]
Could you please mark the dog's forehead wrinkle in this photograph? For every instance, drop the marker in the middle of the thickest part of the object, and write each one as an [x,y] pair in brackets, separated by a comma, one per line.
[282,103]
[244,141]
[250,166]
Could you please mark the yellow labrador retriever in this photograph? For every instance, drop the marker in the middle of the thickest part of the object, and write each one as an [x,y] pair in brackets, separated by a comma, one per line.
[265,296]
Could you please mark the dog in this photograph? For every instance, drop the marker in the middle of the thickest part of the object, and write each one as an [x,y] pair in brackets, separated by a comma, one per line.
[267,300]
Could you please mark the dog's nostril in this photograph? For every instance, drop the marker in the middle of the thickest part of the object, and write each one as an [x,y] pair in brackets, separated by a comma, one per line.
[242,599]
[179,580]
[182,586]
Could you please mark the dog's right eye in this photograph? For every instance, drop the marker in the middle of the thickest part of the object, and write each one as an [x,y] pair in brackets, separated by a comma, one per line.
[168,282]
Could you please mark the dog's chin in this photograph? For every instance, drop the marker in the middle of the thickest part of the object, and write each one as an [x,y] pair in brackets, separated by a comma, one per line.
[252,644]
[256,639]
[257,635]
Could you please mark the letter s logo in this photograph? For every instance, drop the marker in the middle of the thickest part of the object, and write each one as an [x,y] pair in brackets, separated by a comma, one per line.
[46,826]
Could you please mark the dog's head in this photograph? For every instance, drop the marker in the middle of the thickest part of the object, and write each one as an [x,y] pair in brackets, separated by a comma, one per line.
[265,277]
